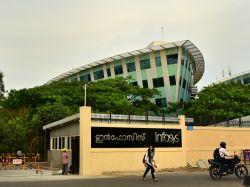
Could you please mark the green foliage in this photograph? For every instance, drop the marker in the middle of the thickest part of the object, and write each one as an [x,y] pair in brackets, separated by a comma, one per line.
[175,108]
[220,102]
[111,96]
[24,112]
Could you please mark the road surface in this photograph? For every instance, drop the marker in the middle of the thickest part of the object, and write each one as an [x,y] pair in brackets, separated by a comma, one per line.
[171,179]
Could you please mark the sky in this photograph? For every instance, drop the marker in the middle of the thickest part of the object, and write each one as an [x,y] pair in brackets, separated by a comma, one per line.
[41,39]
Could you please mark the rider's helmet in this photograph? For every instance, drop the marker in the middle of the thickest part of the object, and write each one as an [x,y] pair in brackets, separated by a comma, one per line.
[223,144]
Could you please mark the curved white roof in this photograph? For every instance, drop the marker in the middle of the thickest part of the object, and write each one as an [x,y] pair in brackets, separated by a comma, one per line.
[233,76]
[154,46]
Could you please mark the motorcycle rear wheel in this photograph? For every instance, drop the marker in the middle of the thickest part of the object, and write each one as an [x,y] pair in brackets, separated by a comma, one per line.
[241,171]
[215,173]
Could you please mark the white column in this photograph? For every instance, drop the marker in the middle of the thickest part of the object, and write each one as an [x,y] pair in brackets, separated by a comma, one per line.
[112,70]
[178,74]
[165,74]
[124,68]
[153,65]
[104,67]
[51,143]
[91,74]
[138,70]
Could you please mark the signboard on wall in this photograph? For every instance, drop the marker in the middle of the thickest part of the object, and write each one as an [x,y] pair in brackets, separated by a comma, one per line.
[113,137]
[17,161]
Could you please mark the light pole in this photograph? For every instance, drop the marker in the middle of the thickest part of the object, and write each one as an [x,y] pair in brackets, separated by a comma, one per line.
[85,94]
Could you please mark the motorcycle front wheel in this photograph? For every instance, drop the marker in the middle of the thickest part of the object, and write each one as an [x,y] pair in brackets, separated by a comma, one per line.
[215,173]
[241,171]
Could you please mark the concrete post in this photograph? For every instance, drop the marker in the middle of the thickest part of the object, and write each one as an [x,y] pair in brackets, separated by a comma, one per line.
[85,141]
[183,134]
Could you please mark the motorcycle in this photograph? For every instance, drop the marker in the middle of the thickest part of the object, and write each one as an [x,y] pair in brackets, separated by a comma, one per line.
[217,169]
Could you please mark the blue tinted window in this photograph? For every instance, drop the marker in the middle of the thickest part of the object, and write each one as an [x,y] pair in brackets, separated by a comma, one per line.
[158,82]
[118,70]
[182,62]
[246,80]
[184,84]
[158,61]
[180,80]
[161,102]
[99,75]
[145,84]
[186,64]
[131,67]
[108,72]
[134,83]
[85,78]
[172,59]
[145,64]
[172,80]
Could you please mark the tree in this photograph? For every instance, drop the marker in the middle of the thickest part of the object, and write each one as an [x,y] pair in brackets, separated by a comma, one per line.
[175,108]
[28,110]
[113,96]
[220,102]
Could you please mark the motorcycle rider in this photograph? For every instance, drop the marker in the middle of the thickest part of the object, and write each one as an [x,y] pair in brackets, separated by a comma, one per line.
[226,158]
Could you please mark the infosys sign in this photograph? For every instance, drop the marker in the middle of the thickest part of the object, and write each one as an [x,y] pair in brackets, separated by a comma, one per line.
[113,137]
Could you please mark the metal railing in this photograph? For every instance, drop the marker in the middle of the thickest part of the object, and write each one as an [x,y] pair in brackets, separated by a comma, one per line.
[223,124]
[8,160]
[136,118]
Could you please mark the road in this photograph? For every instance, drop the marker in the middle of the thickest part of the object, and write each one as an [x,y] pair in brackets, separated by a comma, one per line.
[180,179]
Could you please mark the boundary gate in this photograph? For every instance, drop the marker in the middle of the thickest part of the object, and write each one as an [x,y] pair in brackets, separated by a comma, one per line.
[8,160]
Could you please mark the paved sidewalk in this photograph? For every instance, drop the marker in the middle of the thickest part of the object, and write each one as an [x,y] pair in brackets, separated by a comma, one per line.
[45,175]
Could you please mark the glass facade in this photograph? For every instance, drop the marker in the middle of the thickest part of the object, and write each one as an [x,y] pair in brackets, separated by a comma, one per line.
[243,78]
[99,75]
[108,72]
[118,70]
[182,62]
[184,83]
[158,82]
[172,59]
[85,78]
[170,80]
[145,64]
[161,102]
[158,61]
[131,67]
[145,84]
[246,80]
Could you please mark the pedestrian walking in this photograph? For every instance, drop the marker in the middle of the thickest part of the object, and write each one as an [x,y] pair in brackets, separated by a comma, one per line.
[149,162]
[65,162]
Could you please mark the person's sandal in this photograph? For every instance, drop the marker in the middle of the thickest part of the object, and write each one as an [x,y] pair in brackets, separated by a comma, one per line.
[155,180]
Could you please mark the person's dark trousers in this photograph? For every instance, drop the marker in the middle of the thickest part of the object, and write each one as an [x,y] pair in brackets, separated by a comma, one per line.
[229,162]
[149,167]
[65,169]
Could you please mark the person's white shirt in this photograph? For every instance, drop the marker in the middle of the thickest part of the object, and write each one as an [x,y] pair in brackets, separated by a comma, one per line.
[147,159]
[223,153]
